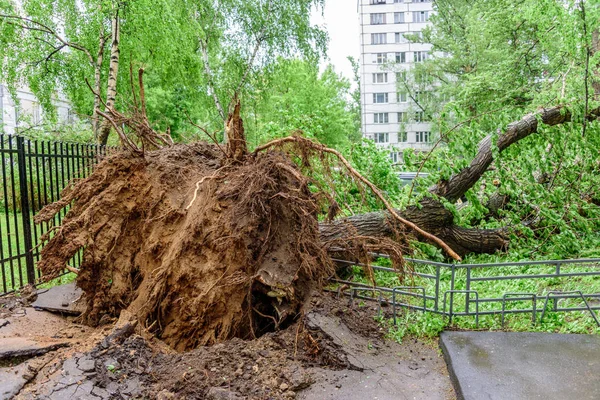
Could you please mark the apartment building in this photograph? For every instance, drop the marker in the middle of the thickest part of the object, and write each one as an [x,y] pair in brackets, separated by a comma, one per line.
[390,116]
[27,112]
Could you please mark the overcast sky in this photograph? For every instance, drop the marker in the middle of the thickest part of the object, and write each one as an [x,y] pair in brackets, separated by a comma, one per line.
[341,22]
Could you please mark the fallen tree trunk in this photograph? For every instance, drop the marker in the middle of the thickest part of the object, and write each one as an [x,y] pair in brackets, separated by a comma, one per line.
[433,217]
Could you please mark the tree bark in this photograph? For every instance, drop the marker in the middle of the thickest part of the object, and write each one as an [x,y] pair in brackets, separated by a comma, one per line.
[111,89]
[432,216]
[98,83]
[454,188]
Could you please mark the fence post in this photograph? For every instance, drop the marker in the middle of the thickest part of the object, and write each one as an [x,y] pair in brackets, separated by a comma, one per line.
[25,209]
[468,287]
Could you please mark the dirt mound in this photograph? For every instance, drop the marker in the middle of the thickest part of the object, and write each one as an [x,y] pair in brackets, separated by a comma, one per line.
[199,248]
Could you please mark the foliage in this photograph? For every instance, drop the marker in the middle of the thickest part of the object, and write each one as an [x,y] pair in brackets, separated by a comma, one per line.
[296,96]
[355,103]
[191,49]
[502,60]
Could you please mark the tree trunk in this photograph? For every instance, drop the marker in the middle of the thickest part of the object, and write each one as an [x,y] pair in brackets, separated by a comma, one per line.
[432,217]
[237,147]
[111,90]
[98,83]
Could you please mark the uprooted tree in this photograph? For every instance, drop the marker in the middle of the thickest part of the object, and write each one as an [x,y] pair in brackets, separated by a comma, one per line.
[204,242]
[201,242]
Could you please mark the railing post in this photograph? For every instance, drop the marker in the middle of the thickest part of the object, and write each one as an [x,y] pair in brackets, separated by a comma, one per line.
[25,210]
[468,287]
[555,302]
[437,287]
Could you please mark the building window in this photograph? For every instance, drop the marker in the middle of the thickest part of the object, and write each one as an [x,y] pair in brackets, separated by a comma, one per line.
[35,114]
[422,96]
[380,77]
[380,58]
[398,17]
[419,116]
[402,97]
[421,56]
[381,137]
[378,1]
[402,117]
[379,98]
[419,1]
[402,137]
[423,137]
[420,16]
[422,77]
[396,157]
[399,38]
[378,38]
[401,76]
[381,118]
[378,19]
[400,57]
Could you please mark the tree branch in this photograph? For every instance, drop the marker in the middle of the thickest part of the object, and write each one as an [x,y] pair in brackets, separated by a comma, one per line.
[40,27]
[454,188]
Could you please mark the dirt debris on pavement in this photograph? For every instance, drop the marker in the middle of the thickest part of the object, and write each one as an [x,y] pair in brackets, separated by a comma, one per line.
[332,351]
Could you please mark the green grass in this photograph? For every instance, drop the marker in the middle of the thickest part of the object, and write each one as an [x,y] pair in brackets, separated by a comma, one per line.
[9,271]
[12,244]
[416,323]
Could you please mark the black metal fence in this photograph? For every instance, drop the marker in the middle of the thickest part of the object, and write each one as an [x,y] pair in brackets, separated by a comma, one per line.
[33,174]
[474,290]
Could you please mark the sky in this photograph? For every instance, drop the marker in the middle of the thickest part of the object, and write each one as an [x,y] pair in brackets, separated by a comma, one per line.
[340,19]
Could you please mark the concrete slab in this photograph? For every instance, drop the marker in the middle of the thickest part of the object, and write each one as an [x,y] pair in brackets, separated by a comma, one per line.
[522,365]
[377,370]
[12,381]
[62,299]
[33,324]
[14,347]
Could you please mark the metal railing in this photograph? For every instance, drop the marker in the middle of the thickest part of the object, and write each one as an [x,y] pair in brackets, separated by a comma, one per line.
[434,287]
[33,173]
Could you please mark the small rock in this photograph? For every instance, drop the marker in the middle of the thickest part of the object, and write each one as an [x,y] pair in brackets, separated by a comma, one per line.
[86,364]
[238,372]
[255,368]
[165,395]
[216,393]
[263,353]
[284,386]
[69,335]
